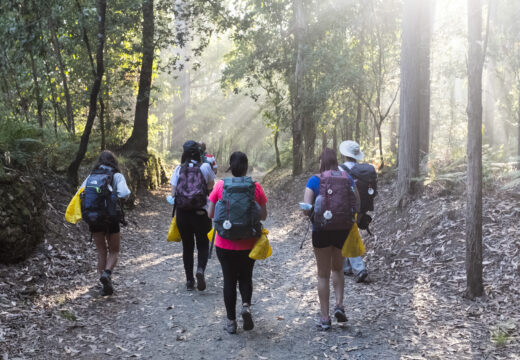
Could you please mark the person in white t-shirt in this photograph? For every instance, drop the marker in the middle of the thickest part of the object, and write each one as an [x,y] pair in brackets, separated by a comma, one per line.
[353,266]
[193,222]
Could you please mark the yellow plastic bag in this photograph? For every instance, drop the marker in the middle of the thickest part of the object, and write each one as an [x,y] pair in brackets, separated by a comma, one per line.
[210,234]
[353,246]
[73,212]
[173,232]
[262,250]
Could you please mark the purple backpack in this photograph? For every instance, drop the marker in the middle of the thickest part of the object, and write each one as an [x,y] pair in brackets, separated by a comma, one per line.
[335,206]
[192,191]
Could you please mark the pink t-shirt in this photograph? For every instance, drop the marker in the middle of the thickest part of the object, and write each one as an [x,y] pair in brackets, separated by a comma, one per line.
[242,244]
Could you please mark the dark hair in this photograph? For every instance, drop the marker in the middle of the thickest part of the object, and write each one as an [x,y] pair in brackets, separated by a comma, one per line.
[191,151]
[329,160]
[238,164]
[107,158]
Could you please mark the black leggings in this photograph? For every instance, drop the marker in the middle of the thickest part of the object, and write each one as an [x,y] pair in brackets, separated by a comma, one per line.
[237,266]
[194,224]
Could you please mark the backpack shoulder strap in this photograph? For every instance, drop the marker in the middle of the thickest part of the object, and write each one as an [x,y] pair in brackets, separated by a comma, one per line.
[344,167]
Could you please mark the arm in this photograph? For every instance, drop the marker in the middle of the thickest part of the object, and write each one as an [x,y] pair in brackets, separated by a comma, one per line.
[263,212]
[211,183]
[211,210]
[308,197]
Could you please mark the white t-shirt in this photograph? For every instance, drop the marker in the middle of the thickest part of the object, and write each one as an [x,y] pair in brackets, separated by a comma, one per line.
[348,164]
[119,183]
[205,168]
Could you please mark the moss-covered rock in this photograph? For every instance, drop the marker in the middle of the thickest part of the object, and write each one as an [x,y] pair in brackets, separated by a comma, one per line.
[142,172]
[22,216]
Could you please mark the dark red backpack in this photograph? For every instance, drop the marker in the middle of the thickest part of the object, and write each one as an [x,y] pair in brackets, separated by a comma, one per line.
[335,206]
[192,191]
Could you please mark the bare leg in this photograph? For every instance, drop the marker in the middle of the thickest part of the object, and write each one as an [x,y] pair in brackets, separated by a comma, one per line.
[323,262]
[114,241]
[338,281]
[102,252]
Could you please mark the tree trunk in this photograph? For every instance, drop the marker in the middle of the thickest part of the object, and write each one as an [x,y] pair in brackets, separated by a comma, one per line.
[474,153]
[425,32]
[297,123]
[102,122]
[57,52]
[72,171]
[309,136]
[380,136]
[393,135]
[359,116]
[39,100]
[518,140]
[409,103]
[138,141]
[323,140]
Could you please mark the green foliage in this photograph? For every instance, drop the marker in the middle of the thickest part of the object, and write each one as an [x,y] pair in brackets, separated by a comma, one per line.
[28,146]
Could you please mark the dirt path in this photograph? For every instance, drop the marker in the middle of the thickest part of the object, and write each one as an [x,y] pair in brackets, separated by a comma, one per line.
[152,316]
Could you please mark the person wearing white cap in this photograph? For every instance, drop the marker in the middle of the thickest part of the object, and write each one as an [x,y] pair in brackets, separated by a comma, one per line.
[351,150]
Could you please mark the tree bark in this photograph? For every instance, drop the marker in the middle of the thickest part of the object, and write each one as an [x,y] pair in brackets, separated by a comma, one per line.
[138,141]
[393,135]
[474,153]
[359,116]
[297,123]
[408,167]
[57,52]
[518,140]
[425,31]
[72,171]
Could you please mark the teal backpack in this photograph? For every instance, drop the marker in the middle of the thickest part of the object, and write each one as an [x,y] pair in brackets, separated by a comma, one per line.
[237,215]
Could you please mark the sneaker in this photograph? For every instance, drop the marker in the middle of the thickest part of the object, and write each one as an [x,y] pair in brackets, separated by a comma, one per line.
[339,313]
[231,326]
[248,319]
[361,276]
[324,325]
[190,285]
[201,282]
[105,279]
[348,272]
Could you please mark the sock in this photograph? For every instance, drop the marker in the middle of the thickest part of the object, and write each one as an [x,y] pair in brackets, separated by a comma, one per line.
[109,272]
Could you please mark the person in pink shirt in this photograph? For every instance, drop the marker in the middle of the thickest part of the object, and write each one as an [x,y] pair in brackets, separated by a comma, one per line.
[237,266]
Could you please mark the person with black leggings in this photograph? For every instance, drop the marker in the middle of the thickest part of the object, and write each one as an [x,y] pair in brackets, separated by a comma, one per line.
[237,266]
[193,223]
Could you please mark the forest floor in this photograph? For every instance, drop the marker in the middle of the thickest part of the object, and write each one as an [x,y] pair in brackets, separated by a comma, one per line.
[412,307]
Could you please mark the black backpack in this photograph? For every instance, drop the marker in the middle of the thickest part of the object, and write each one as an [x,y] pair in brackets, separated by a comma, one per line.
[366,183]
[99,202]
[237,215]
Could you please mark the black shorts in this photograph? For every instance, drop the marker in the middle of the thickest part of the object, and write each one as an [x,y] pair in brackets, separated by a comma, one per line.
[108,228]
[323,239]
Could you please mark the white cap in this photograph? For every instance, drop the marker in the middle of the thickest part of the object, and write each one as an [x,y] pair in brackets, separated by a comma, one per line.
[351,149]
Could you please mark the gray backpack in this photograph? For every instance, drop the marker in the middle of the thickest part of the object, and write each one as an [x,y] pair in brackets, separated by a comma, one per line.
[237,215]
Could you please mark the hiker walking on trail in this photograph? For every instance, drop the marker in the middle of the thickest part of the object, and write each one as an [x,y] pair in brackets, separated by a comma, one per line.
[208,158]
[366,182]
[237,205]
[101,209]
[334,198]
[190,183]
